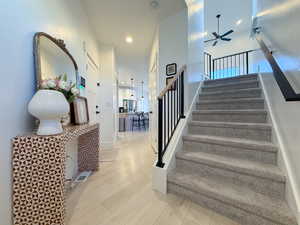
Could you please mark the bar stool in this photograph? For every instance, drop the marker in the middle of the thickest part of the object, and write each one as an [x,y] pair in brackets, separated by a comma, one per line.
[135,122]
[142,120]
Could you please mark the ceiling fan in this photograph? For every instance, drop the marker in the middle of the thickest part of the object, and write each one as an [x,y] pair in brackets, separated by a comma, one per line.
[217,34]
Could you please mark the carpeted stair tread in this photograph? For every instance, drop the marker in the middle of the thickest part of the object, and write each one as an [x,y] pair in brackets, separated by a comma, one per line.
[229,92]
[234,142]
[230,85]
[230,101]
[274,210]
[246,111]
[257,169]
[236,79]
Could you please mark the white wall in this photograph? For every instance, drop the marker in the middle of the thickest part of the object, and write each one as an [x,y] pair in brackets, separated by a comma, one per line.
[19,20]
[195,47]
[108,96]
[279,21]
[172,44]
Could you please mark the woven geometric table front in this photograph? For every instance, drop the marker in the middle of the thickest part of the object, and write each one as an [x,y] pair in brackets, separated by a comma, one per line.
[38,164]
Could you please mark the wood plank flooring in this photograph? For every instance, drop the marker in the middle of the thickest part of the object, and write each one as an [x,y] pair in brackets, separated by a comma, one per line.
[121,193]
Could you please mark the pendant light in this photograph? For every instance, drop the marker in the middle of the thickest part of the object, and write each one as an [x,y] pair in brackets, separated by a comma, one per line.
[131,87]
[142,90]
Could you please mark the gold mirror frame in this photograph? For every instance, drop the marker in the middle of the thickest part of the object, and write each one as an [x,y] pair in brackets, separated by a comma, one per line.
[37,59]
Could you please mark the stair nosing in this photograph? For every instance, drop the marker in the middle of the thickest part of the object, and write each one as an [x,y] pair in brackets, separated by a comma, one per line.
[234,142]
[234,200]
[225,164]
[256,126]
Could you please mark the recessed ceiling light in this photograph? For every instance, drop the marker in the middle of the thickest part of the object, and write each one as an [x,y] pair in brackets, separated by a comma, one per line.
[154,4]
[239,22]
[129,39]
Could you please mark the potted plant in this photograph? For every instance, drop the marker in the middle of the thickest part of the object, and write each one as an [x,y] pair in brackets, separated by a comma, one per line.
[69,90]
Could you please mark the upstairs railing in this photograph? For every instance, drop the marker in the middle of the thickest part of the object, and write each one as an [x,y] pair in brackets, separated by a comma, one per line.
[207,65]
[286,88]
[170,112]
[226,66]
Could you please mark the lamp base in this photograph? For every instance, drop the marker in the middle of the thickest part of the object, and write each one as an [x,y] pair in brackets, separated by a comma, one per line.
[49,127]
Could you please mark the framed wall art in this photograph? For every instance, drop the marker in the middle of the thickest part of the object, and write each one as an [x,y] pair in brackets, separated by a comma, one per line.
[81,112]
[171,69]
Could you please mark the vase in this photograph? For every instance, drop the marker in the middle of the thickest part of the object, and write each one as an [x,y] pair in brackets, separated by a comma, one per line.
[49,107]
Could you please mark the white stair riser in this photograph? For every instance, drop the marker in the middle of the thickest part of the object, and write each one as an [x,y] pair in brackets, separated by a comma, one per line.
[230,151]
[261,185]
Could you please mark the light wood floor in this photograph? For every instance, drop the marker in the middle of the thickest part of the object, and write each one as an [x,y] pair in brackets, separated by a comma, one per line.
[120,193]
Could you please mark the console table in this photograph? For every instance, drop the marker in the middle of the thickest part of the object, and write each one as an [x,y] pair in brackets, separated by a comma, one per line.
[38,170]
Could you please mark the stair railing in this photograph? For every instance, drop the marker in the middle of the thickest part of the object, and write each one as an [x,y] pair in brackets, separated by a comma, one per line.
[170,112]
[227,66]
[283,83]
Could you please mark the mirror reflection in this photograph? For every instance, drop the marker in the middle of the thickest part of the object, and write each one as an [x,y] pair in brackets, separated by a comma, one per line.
[54,61]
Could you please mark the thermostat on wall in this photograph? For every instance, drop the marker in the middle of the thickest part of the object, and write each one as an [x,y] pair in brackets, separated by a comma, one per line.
[82,82]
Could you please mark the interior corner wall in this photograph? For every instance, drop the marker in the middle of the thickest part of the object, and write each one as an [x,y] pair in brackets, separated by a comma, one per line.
[19,21]
[195,62]
[172,43]
[279,22]
[108,96]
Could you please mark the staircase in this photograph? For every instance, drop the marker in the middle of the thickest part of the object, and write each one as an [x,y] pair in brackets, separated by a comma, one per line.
[228,162]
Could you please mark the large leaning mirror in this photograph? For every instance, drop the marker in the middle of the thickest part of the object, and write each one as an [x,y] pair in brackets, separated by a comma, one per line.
[52,59]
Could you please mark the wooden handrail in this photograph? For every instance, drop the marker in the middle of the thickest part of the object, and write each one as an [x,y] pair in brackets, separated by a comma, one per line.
[283,83]
[169,86]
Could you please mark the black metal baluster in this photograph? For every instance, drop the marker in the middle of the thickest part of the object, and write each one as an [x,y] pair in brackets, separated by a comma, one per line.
[210,67]
[171,110]
[165,119]
[227,75]
[168,136]
[182,96]
[247,62]
[177,88]
[160,147]
[231,73]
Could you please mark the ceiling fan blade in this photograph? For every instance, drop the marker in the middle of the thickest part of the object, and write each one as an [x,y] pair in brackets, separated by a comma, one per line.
[210,40]
[227,33]
[226,39]
[215,34]
[215,43]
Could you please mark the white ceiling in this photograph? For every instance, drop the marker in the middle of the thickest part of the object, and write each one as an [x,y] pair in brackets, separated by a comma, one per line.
[113,20]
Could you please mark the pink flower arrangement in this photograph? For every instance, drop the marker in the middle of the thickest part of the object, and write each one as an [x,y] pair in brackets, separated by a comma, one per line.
[60,84]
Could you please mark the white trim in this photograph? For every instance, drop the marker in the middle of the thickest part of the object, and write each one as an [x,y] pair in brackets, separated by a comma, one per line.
[293,201]
[159,178]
